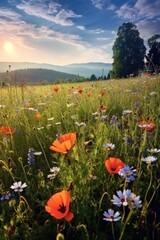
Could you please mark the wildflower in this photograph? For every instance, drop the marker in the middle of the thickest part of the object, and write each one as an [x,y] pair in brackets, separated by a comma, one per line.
[122,198]
[113,119]
[59,206]
[37,153]
[104,118]
[18,186]
[88,94]
[128,140]
[80,90]
[153,150]
[95,114]
[70,105]
[2,106]
[55,89]
[147,126]
[31,157]
[50,119]
[103,108]
[40,128]
[113,165]
[128,173]
[7,130]
[82,124]
[7,196]
[53,172]
[126,112]
[109,146]
[134,201]
[58,123]
[149,159]
[38,116]
[111,216]
[64,143]
[126,198]
[102,93]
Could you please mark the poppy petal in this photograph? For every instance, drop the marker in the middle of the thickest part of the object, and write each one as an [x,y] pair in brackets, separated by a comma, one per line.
[69,216]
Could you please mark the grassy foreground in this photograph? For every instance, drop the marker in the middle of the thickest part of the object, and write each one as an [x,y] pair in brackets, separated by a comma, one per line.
[108,163]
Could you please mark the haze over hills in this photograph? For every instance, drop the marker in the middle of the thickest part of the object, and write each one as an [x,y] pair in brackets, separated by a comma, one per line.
[81,69]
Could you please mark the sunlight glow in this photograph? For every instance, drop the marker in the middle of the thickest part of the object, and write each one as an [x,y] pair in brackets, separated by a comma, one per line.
[8,47]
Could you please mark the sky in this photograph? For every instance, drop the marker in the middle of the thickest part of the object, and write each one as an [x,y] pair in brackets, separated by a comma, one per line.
[62,32]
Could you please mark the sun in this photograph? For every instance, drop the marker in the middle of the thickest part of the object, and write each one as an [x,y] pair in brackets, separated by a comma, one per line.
[8,47]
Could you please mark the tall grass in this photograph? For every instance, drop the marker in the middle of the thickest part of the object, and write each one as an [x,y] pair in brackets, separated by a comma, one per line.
[82,169]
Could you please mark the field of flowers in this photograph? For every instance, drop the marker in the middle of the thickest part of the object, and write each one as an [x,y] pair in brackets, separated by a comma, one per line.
[80,161]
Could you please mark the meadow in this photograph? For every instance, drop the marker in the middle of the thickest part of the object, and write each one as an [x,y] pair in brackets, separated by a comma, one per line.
[80,161]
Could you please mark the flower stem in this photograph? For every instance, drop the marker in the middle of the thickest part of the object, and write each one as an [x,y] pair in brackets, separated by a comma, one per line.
[125,224]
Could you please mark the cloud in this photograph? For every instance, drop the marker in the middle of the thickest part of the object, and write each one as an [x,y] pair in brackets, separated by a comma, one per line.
[81,27]
[97,31]
[9,14]
[127,12]
[111,7]
[141,9]
[51,11]
[148,8]
[148,28]
[98,3]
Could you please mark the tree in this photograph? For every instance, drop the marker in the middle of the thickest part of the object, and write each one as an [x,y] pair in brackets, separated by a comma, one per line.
[128,52]
[153,57]
[93,77]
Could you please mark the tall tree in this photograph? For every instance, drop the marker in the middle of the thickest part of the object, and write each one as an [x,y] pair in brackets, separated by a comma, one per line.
[153,56]
[128,52]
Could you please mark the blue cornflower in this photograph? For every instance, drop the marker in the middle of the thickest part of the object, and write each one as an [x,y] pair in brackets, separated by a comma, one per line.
[128,173]
[122,198]
[31,156]
[126,198]
[7,196]
[111,216]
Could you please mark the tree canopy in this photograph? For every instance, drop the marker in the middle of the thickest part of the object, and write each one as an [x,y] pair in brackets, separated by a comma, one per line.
[153,57]
[128,52]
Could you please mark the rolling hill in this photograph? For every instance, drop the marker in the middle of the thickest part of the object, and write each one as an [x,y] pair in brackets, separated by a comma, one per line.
[81,69]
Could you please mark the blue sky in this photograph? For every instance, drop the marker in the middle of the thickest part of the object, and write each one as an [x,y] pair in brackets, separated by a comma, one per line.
[70,31]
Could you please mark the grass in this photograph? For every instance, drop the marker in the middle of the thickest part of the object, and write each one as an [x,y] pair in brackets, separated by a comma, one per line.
[82,169]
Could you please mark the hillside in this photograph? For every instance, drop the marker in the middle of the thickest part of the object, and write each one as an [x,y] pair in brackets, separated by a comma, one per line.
[81,69]
[36,75]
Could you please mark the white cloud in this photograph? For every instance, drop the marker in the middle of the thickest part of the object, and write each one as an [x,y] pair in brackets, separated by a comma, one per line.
[148,8]
[126,12]
[51,12]
[97,31]
[81,27]
[141,9]
[9,14]
[98,3]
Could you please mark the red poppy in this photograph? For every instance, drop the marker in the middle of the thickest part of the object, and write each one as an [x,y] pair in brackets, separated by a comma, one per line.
[38,116]
[147,126]
[80,90]
[113,165]
[55,89]
[103,108]
[7,130]
[88,94]
[59,206]
[102,92]
[64,143]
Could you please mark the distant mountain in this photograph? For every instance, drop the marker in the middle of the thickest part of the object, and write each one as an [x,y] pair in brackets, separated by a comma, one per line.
[36,75]
[81,69]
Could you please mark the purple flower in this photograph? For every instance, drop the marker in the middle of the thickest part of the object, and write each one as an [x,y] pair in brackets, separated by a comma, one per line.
[111,216]
[126,198]
[31,156]
[127,173]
